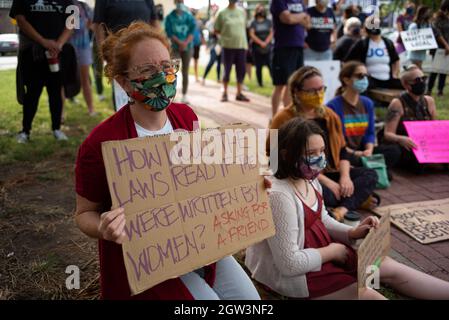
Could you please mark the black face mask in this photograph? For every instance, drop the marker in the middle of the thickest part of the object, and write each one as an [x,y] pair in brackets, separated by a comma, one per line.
[374,32]
[418,88]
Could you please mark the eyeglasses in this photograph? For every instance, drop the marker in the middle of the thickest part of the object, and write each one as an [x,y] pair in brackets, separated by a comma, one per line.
[315,91]
[149,70]
[360,76]
[418,80]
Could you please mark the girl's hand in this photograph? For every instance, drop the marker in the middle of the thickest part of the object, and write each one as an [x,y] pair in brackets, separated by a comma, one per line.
[363,228]
[112,225]
[339,253]
[346,186]
[367,153]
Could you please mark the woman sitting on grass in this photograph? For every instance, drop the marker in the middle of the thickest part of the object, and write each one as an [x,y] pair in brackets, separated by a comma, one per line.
[310,256]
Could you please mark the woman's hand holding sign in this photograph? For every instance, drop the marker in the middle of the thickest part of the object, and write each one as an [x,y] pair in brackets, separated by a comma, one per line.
[112,225]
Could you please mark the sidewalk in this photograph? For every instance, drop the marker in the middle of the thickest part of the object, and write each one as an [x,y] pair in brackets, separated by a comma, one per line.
[405,187]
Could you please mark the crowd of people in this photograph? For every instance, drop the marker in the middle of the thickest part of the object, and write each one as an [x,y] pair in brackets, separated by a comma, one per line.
[320,178]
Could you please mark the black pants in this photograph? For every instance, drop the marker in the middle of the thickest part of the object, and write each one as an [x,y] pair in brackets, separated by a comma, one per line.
[36,76]
[364,181]
[261,60]
[391,152]
[391,83]
[97,66]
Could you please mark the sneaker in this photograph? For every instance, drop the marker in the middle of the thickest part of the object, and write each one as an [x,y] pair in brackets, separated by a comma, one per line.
[241,97]
[440,94]
[224,97]
[59,135]
[101,97]
[93,114]
[23,137]
[245,87]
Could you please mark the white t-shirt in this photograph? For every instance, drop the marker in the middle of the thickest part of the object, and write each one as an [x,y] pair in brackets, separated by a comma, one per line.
[142,132]
[378,60]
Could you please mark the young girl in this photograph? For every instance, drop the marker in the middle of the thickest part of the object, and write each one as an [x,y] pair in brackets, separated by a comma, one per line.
[310,256]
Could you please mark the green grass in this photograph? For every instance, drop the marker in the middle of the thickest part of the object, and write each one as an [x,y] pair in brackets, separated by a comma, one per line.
[43,145]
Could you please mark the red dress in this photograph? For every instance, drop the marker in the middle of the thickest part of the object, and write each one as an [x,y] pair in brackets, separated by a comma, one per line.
[331,277]
[91,183]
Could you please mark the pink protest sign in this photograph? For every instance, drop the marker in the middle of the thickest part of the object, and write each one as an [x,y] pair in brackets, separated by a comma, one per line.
[432,139]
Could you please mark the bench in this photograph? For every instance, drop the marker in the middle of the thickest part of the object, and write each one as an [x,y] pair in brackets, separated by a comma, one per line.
[384,95]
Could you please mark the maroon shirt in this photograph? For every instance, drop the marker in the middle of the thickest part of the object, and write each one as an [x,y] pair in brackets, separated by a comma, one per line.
[91,183]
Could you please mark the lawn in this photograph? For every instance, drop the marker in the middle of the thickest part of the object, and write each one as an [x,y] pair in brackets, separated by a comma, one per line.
[43,145]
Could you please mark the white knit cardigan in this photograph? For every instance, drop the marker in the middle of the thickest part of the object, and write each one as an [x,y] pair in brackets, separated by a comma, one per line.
[281,262]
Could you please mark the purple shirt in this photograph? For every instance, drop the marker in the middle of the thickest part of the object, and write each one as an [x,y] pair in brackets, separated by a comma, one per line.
[287,35]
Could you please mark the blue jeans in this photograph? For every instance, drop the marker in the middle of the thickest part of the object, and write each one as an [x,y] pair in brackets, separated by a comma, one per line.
[231,283]
[313,55]
[214,58]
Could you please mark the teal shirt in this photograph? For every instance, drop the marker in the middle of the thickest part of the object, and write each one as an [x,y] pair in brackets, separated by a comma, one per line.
[180,26]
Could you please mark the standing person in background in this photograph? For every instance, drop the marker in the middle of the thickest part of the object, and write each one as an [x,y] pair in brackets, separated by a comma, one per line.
[379,56]
[180,26]
[113,15]
[97,67]
[214,49]
[198,40]
[289,21]
[352,33]
[81,42]
[261,33]
[322,34]
[421,21]
[230,25]
[403,22]
[349,12]
[43,31]
[441,27]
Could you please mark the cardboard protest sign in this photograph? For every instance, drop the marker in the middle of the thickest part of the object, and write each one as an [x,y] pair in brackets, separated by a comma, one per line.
[440,62]
[330,71]
[371,252]
[180,217]
[419,39]
[425,221]
[431,138]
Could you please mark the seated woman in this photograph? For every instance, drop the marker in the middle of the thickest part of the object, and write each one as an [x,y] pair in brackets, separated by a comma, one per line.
[138,59]
[310,256]
[356,113]
[379,55]
[345,188]
[411,105]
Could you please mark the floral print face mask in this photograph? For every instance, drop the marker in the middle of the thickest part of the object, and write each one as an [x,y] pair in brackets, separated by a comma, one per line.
[155,84]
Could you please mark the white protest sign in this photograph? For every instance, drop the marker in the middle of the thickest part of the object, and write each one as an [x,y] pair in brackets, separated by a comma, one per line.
[419,39]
